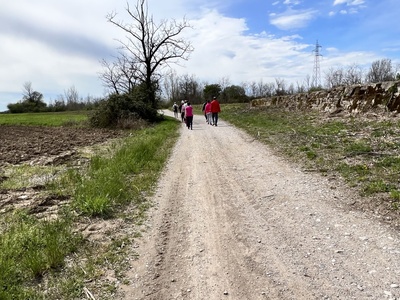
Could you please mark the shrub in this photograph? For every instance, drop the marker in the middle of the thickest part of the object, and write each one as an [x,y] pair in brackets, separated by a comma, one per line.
[121,110]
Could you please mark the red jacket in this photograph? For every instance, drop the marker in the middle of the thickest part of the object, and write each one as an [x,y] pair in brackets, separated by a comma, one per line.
[215,108]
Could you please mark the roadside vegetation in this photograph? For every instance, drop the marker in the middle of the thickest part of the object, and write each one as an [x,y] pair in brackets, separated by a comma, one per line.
[363,151]
[45,119]
[50,258]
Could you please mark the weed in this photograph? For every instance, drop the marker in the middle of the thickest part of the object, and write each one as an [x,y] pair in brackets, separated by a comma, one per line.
[30,248]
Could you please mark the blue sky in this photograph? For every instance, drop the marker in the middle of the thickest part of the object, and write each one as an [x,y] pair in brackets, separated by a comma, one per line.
[57,44]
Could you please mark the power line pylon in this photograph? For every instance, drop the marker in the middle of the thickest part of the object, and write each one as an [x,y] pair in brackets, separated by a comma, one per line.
[316,82]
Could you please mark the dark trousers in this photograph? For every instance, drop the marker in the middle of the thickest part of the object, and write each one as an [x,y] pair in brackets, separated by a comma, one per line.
[215,118]
[189,122]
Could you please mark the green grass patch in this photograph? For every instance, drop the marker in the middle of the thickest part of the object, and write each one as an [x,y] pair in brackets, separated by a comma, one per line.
[73,118]
[132,168]
[29,249]
[357,148]
[365,152]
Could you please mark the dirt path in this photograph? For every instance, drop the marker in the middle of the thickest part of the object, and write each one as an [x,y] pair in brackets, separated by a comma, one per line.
[233,221]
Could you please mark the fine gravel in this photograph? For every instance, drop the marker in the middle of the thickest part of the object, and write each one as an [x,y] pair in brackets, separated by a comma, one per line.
[231,220]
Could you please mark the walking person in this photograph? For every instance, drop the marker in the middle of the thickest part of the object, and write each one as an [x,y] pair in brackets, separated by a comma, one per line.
[203,109]
[175,109]
[215,110]
[189,116]
[183,105]
[208,112]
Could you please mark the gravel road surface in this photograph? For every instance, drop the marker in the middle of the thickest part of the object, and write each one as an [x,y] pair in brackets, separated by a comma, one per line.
[233,221]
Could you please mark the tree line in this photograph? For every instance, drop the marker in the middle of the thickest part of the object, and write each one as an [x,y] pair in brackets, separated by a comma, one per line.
[33,101]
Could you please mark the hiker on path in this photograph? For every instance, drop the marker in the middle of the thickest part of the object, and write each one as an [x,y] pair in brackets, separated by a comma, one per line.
[208,112]
[203,109]
[189,116]
[183,106]
[175,109]
[215,109]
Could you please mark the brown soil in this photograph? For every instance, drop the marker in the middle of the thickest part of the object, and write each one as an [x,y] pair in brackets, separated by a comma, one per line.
[42,146]
[25,143]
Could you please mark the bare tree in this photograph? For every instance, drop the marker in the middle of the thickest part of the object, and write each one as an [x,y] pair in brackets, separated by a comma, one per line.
[27,91]
[71,95]
[280,87]
[334,77]
[300,88]
[147,49]
[307,82]
[224,82]
[170,86]
[381,70]
[353,75]
[263,89]
[190,89]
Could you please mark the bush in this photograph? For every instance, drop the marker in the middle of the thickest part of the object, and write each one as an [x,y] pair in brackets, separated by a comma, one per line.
[121,110]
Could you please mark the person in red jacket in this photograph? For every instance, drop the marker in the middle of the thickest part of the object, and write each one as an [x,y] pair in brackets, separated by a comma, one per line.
[215,109]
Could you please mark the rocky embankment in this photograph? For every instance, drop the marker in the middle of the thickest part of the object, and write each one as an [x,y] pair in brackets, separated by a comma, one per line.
[377,97]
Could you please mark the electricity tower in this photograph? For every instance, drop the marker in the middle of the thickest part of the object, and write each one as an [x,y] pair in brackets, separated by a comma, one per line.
[316,81]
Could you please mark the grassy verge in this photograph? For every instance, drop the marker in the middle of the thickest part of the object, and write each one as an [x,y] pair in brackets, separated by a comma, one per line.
[364,151]
[50,259]
[45,119]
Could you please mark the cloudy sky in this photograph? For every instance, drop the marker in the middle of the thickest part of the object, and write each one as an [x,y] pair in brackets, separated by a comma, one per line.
[57,44]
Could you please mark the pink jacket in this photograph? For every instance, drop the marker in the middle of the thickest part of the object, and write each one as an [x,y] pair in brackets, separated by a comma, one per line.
[189,111]
[208,107]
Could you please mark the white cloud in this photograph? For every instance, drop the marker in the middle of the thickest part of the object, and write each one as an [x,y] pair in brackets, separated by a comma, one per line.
[349,2]
[338,2]
[292,19]
[291,2]
[222,49]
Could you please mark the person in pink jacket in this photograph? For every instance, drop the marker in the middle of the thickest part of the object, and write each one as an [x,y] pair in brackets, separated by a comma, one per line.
[208,113]
[189,116]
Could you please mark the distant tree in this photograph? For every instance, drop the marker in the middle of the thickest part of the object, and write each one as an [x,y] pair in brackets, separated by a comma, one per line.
[307,81]
[300,88]
[280,87]
[32,101]
[171,87]
[353,75]
[234,93]
[290,90]
[147,49]
[381,70]
[211,90]
[189,89]
[260,89]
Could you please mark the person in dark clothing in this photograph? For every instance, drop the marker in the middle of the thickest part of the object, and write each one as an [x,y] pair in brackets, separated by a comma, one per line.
[203,109]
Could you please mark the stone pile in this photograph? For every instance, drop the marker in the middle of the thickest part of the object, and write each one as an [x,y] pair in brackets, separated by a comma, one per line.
[377,97]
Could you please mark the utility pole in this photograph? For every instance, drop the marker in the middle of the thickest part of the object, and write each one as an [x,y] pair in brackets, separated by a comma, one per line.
[316,81]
